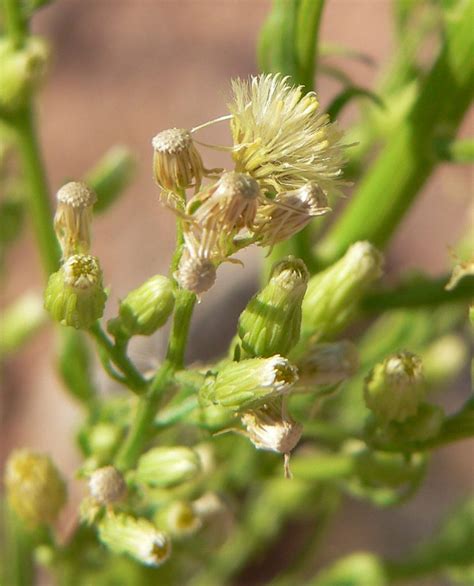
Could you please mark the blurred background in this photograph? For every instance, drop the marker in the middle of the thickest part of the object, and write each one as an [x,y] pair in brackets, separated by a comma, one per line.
[123,70]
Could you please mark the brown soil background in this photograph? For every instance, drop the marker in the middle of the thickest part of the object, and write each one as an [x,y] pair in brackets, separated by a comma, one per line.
[122,71]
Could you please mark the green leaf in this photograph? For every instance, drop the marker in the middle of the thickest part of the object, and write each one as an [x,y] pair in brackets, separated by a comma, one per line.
[348,94]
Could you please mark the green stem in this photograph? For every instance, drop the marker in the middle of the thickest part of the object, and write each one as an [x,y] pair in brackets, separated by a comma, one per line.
[37,192]
[15,23]
[309,21]
[384,197]
[419,293]
[133,378]
[149,403]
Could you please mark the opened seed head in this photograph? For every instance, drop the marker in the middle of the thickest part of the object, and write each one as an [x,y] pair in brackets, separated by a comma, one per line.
[172,141]
[76,194]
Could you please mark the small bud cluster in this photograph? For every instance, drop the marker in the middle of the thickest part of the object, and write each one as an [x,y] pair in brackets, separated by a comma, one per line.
[288,159]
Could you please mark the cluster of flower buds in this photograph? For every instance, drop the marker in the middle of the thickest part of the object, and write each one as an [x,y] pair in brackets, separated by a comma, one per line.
[34,487]
[75,294]
[288,158]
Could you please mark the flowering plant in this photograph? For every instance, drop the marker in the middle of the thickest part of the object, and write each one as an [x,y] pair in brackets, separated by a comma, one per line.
[177,487]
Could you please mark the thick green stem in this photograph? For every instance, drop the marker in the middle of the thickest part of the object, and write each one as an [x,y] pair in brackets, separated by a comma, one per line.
[133,378]
[309,21]
[393,182]
[37,192]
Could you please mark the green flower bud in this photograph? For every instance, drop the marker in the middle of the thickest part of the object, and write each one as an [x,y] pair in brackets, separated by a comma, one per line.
[249,383]
[328,364]
[146,308]
[165,467]
[107,485]
[395,388]
[333,294]
[385,469]
[102,438]
[138,538]
[270,324]
[75,295]
[180,519]
[34,487]
[20,73]
[423,426]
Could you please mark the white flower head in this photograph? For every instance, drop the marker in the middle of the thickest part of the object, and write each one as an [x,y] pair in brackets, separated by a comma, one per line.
[282,138]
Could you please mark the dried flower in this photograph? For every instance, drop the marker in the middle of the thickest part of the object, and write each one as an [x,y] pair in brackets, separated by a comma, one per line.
[138,538]
[395,388]
[288,213]
[34,486]
[270,324]
[195,273]
[249,383]
[73,217]
[177,163]
[75,295]
[107,485]
[282,138]
[229,204]
[270,427]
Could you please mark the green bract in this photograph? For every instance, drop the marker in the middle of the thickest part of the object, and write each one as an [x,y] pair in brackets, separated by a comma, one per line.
[270,324]
[75,295]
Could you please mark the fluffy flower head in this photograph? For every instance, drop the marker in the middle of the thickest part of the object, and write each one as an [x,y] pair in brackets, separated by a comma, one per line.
[281,137]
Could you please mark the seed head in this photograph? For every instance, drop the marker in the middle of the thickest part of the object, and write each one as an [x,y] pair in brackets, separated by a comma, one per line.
[107,485]
[282,138]
[195,273]
[177,163]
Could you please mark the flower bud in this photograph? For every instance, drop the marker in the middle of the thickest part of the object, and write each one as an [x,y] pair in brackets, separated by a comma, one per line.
[328,364]
[395,388]
[107,485]
[138,538]
[181,519]
[423,426]
[34,487]
[333,294]
[358,569]
[21,72]
[75,295]
[249,383]
[166,467]
[73,217]
[102,439]
[271,428]
[176,161]
[270,324]
[146,308]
